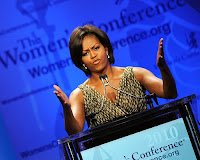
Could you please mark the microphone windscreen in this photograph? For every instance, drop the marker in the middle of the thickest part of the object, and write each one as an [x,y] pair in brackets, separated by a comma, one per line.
[100,77]
[105,76]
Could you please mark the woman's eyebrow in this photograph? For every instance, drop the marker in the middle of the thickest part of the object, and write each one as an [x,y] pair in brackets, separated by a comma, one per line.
[91,47]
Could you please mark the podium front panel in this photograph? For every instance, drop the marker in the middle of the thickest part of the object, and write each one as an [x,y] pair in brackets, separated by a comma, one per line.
[166,132]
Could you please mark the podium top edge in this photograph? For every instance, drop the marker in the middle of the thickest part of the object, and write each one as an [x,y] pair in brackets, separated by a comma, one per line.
[164,106]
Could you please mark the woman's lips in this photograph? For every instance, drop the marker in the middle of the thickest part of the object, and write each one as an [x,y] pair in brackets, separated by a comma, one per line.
[96,61]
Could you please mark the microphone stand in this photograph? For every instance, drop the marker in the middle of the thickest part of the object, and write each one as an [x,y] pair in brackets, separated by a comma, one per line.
[104,77]
[92,115]
[149,98]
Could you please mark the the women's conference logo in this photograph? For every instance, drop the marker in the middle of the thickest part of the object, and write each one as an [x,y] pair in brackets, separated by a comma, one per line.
[166,151]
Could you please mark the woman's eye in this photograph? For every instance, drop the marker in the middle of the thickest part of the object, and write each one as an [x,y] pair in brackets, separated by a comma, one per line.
[84,54]
[96,48]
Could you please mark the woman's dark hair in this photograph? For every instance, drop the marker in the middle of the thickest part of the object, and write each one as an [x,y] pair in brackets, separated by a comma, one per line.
[75,44]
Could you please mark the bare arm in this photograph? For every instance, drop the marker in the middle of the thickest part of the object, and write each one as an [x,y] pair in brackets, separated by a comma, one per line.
[169,84]
[73,109]
[165,87]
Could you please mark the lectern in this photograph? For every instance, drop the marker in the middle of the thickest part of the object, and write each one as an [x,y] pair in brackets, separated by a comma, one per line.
[166,132]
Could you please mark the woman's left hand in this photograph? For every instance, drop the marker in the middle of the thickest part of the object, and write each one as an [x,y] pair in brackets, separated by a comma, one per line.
[160,55]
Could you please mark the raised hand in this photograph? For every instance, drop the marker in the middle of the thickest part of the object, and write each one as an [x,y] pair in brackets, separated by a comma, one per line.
[169,85]
[61,95]
[160,54]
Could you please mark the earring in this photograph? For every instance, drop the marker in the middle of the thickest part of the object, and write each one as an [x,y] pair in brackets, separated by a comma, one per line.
[108,56]
[85,66]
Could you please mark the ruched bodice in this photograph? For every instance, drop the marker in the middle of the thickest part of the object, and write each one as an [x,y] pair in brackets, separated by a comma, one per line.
[124,104]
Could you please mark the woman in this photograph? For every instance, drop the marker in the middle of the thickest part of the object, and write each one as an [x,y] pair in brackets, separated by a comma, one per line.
[92,52]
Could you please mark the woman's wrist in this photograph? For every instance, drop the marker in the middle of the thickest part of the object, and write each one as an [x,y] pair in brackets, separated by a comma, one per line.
[66,105]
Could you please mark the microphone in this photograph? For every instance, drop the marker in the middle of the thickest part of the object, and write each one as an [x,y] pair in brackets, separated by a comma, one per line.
[147,97]
[108,84]
[91,115]
[105,77]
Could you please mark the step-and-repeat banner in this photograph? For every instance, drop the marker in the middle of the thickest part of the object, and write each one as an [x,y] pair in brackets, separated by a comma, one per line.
[34,55]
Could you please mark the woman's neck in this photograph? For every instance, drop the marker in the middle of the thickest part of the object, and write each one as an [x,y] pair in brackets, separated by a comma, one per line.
[109,71]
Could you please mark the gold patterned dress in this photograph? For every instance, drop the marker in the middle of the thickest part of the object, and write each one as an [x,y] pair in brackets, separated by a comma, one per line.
[124,104]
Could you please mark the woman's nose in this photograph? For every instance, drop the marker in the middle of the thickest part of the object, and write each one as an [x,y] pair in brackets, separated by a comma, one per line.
[93,54]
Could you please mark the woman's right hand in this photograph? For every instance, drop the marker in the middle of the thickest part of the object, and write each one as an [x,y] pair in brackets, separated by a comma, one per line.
[61,96]
[73,110]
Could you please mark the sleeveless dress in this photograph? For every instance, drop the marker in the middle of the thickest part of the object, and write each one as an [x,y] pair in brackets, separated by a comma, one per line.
[124,104]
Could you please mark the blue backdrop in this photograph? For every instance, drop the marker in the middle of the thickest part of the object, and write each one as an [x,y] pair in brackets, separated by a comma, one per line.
[34,55]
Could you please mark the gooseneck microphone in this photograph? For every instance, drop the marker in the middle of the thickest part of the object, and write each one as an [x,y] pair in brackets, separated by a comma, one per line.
[91,116]
[108,84]
[105,77]
[147,97]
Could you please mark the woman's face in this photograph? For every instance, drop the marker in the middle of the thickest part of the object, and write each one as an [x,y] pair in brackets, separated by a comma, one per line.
[94,54]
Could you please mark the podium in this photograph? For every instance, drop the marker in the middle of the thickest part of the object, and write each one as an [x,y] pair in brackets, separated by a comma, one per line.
[168,131]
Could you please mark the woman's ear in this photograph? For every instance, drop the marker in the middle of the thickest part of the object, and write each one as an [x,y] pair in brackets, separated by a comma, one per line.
[106,49]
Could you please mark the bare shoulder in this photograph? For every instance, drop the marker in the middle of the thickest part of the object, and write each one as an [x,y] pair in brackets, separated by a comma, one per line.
[76,96]
[139,69]
[76,92]
[136,70]
[140,72]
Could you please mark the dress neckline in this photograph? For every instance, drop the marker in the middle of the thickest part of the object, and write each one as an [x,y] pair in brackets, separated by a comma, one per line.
[117,94]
